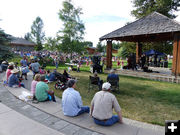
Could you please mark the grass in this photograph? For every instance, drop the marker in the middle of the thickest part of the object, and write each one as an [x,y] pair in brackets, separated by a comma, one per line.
[140,99]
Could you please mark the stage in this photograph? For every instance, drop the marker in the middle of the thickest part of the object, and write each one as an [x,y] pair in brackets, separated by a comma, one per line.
[159,74]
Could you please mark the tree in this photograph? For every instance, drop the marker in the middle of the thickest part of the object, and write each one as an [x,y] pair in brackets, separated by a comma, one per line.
[36,35]
[100,47]
[4,49]
[165,7]
[73,28]
[126,48]
[116,45]
[88,44]
[51,44]
[28,36]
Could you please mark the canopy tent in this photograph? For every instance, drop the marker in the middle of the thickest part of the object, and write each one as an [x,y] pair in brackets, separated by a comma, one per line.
[153,52]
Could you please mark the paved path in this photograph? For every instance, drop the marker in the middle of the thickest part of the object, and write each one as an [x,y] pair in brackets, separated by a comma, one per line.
[50,114]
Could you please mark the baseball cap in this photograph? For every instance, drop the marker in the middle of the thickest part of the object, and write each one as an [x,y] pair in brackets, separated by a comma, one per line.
[106,86]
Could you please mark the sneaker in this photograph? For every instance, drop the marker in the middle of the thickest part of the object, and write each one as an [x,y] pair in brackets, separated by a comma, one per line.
[35,101]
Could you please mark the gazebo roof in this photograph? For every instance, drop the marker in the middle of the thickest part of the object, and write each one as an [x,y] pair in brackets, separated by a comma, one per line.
[154,27]
[21,41]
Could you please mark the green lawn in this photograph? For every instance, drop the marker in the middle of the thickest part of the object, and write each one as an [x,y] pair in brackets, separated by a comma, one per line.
[140,99]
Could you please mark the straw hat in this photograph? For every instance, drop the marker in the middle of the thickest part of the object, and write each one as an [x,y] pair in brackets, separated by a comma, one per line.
[14,71]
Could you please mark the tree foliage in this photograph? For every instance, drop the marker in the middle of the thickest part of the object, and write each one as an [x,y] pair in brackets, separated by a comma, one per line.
[145,7]
[100,47]
[73,28]
[51,44]
[126,48]
[4,49]
[36,35]
[165,7]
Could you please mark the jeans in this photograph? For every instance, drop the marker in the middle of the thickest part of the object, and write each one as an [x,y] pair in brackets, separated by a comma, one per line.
[56,65]
[108,122]
[22,85]
[83,110]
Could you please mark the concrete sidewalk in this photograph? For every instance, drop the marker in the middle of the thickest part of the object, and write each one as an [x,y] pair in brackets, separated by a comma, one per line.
[130,127]
[13,123]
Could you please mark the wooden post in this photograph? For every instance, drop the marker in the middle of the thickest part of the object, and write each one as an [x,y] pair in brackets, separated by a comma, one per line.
[138,51]
[176,55]
[109,54]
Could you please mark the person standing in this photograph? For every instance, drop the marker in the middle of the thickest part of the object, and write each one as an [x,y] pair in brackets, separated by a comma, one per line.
[102,106]
[24,61]
[71,101]
[35,67]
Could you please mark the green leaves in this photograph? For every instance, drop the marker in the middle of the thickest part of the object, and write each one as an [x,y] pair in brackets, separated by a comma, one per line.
[72,32]
[4,49]
[36,35]
[145,7]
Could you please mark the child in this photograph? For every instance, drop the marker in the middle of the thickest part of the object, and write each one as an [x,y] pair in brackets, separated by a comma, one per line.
[42,71]
[47,76]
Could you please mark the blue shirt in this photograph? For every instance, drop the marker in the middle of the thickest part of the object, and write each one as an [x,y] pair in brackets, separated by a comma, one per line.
[52,77]
[71,102]
[13,80]
[24,62]
[113,76]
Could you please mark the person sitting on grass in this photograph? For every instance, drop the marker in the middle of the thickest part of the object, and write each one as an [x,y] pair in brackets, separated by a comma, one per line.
[47,76]
[71,101]
[42,70]
[42,92]
[66,75]
[34,83]
[52,76]
[102,106]
[13,80]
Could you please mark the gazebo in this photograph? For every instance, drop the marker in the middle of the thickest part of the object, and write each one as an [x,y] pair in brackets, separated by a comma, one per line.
[152,28]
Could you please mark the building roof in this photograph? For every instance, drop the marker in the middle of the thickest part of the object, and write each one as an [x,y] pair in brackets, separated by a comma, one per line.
[21,41]
[153,24]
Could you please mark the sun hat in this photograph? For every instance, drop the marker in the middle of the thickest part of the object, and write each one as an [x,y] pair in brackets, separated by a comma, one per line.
[3,62]
[14,71]
[11,63]
[71,82]
[106,86]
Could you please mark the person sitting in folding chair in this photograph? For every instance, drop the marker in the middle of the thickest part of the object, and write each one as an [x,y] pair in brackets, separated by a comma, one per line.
[100,82]
[113,79]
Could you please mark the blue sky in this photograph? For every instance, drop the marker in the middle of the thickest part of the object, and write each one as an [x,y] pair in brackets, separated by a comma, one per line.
[99,16]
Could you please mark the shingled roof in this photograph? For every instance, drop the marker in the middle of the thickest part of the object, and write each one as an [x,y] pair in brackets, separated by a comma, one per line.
[155,24]
[21,41]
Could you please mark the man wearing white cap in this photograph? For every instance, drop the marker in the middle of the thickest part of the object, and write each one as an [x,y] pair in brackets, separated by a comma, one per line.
[102,106]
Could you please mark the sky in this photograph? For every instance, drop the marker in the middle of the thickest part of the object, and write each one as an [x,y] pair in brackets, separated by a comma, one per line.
[99,16]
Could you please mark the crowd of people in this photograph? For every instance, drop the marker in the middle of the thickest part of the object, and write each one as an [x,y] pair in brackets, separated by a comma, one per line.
[102,104]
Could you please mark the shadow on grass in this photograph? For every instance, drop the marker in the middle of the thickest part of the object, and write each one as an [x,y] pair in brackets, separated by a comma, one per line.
[145,92]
